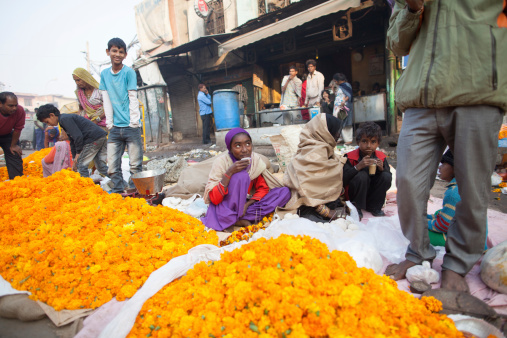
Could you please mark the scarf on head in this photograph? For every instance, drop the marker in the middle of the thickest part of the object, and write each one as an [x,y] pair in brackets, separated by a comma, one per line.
[224,161]
[93,105]
[315,174]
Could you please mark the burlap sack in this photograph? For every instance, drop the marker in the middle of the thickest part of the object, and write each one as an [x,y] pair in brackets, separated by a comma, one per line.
[20,307]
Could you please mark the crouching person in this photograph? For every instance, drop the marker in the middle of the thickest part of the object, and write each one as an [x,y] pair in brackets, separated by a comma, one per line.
[367,187]
[59,158]
[441,220]
[88,142]
[240,190]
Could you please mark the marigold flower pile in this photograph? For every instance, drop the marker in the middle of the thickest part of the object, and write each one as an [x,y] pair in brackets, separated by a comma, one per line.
[247,232]
[289,286]
[31,165]
[73,246]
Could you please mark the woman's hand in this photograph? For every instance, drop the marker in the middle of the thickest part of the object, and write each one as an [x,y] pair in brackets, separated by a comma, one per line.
[366,162]
[247,204]
[236,167]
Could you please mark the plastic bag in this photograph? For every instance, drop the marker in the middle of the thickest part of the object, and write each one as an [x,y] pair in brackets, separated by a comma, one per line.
[197,208]
[494,268]
[389,239]
[423,273]
[496,179]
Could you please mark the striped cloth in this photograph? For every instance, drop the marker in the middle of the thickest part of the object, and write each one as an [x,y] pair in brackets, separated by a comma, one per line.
[439,222]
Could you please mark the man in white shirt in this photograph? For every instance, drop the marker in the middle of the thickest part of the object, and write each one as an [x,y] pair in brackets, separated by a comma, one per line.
[314,84]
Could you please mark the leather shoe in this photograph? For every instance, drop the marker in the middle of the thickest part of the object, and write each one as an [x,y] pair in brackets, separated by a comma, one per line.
[377,213]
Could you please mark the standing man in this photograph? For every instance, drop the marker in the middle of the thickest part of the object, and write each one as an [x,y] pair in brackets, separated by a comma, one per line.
[314,84]
[204,100]
[243,101]
[39,133]
[118,86]
[448,102]
[12,121]
[291,88]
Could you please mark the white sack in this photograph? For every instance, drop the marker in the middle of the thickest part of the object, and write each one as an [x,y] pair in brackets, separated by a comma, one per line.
[423,273]
[494,268]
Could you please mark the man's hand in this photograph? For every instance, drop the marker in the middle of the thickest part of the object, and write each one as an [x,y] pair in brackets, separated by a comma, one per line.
[15,149]
[415,5]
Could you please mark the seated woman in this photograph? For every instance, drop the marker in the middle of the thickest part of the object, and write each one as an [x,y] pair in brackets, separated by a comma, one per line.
[240,191]
[314,175]
[59,157]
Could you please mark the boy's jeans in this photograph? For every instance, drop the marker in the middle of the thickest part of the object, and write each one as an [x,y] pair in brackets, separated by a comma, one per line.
[119,137]
[95,151]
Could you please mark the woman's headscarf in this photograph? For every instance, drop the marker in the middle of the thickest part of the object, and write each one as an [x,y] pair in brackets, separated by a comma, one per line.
[225,160]
[93,105]
[85,75]
[230,135]
[315,173]
[333,125]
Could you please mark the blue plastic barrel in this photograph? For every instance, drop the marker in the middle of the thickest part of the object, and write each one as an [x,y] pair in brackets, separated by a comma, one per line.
[226,109]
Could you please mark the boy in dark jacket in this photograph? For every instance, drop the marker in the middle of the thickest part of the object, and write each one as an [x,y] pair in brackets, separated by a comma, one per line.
[88,142]
[367,189]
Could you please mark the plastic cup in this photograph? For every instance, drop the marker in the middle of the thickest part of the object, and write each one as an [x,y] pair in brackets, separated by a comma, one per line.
[373,169]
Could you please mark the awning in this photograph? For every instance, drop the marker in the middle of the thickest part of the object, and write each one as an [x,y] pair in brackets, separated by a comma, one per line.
[293,21]
[196,44]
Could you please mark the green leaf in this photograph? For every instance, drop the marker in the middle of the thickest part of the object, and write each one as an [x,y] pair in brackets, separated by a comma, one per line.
[24,279]
[254,327]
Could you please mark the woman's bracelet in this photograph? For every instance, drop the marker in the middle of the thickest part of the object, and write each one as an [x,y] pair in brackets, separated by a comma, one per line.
[323,210]
[225,174]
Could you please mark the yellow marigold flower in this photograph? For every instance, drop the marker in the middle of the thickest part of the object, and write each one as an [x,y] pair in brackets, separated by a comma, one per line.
[282,293]
[63,239]
[248,255]
[350,296]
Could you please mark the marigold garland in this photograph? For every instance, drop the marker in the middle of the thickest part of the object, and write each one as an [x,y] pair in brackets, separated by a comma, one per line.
[73,246]
[247,232]
[31,165]
[288,286]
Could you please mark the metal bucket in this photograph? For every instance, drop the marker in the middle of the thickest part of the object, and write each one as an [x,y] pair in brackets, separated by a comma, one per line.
[149,182]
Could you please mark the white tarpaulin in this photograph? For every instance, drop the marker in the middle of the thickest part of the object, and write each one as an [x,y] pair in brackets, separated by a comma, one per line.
[151,75]
[152,24]
[278,27]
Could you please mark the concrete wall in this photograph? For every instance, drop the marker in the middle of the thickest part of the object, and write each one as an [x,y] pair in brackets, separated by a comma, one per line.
[260,136]
[230,15]
[180,14]
[246,10]
[195,23]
